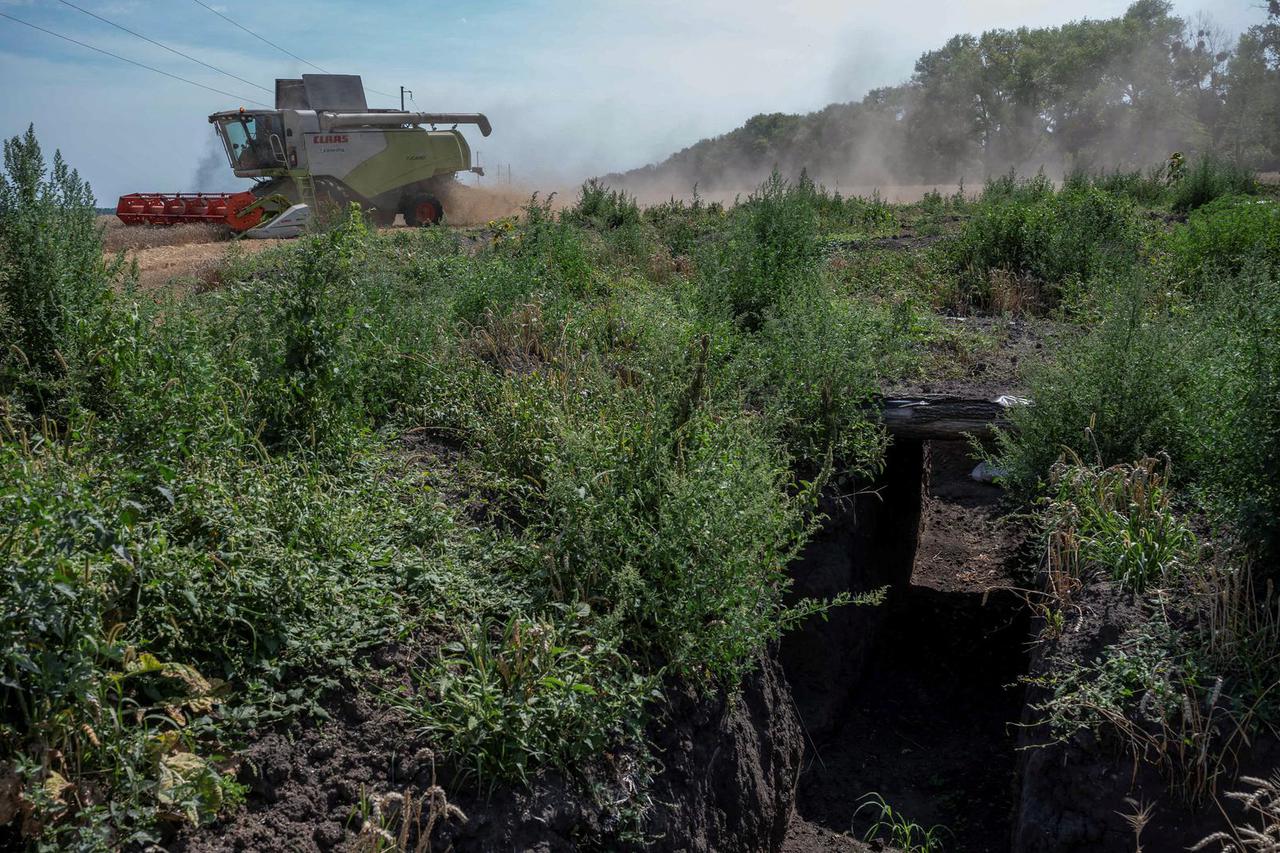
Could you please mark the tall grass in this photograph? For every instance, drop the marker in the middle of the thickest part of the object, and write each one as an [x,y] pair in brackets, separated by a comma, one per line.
[227,513]
[1051,240]
[53,279]
[1157,376]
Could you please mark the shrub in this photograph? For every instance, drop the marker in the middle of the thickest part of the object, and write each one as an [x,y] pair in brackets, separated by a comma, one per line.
[771,254]
[810,371]
[675,522]
[1052,238]
[603,208]
[301,327]
[1146,188]
[507,699]
[53,279]
[1222,237]
[1199,383]
[549,251]
[685,227]
[1232,409]
[1111,395]
[1209,179]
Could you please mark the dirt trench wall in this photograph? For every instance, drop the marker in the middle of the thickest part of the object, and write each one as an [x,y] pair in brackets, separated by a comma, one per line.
[1073,796]
[865,543]
[728,782]
[729,763]
[731,768]
[1069,794]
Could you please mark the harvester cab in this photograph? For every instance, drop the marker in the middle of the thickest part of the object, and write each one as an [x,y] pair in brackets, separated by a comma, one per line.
[254,141]
[321,149]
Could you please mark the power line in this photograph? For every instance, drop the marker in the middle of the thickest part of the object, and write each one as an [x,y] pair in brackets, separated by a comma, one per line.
[130,61]
[258,37]
[165,46]
[276,46]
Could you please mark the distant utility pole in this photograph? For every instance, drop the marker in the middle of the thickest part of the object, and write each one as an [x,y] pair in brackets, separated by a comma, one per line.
[403,92]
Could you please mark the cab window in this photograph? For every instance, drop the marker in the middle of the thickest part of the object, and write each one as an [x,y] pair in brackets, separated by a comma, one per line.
[247,138]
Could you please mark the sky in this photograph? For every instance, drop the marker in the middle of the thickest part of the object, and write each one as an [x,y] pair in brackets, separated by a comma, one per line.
[573,87]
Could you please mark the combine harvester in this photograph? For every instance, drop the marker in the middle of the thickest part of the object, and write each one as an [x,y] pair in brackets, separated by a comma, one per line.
[321,148]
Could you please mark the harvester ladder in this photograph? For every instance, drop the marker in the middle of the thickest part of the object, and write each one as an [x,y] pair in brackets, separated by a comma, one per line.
[306,190]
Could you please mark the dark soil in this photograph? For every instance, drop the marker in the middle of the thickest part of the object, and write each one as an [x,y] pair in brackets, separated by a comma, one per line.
[726,782]
[966,542]
[1075,795]
[1019,343]
[930,727]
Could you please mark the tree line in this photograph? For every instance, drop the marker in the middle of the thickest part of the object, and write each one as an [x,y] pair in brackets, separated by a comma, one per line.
[1123,92]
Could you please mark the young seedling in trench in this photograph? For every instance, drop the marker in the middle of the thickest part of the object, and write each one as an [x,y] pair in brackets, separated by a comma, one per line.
[898,829]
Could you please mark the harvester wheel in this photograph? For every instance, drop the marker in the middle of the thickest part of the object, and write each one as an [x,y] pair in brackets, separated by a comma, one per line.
[423,211]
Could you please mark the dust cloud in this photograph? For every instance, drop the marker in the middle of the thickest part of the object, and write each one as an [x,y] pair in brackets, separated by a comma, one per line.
[1153,84]
[478,205]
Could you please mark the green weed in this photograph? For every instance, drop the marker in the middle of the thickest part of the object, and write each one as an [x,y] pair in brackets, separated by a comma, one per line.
[1054,239]
[1224,237]
[1208,179]
[897,829]
[506,699]
[1118,519]
[53,278]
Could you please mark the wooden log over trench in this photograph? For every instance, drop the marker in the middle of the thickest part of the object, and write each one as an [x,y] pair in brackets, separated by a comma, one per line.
[944,418]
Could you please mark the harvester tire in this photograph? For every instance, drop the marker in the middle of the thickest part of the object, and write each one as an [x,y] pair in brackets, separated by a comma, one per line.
[423,211]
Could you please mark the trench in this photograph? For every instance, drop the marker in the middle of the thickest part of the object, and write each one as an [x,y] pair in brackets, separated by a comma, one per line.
[915,700]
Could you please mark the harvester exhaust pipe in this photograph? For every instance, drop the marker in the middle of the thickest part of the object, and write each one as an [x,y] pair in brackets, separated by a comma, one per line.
[337,121]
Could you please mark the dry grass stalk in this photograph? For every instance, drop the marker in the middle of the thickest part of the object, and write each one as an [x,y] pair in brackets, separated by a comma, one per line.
[413,816]
[514,343]
[1261,834]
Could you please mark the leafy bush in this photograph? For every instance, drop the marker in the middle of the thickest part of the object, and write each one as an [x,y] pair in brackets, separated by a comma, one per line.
[533,692]
[1026,229]
[684,227]
[1196,382]
[1109,396]
[771,254]
[631,501]
[300,325]
[810,371]
[53,279]
[1208,179]
[548,250]
[1149,188]
[604,208]
[1224,236]
[1232,409]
